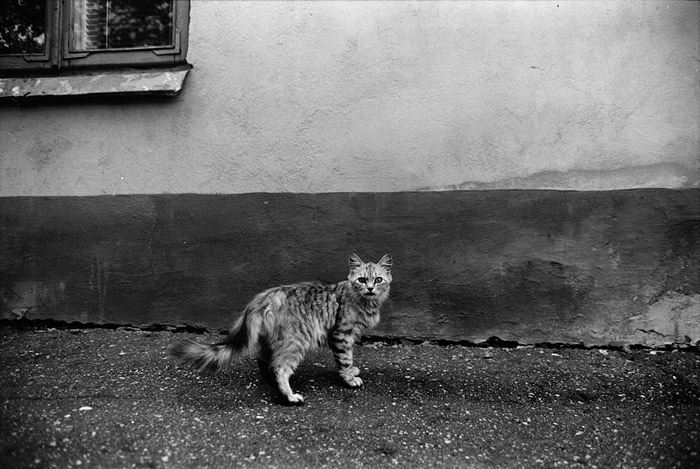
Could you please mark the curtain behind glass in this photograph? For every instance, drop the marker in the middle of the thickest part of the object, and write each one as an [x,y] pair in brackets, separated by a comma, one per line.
[121,24]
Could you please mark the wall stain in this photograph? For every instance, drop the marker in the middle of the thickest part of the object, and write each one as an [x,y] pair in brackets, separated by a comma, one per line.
[98,283]
[662,175]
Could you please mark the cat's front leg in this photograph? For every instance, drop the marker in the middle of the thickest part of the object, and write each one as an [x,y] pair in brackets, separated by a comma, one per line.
[341,344]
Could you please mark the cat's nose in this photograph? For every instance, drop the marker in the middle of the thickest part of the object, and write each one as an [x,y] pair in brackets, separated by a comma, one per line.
[370,288]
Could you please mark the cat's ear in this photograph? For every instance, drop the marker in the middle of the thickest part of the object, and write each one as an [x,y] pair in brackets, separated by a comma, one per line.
[354,261]
[386,262]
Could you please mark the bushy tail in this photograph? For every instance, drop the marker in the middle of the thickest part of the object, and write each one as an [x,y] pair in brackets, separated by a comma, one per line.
[213,358]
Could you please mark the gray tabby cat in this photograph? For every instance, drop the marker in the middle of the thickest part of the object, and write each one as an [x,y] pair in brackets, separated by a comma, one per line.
[281,324]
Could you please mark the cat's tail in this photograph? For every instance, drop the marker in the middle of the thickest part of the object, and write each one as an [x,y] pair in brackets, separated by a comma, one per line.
[213,358]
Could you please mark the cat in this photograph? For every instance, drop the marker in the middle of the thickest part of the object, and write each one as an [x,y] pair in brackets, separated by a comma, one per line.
[281,324]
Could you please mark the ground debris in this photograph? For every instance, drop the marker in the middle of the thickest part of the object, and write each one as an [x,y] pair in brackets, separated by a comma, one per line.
[106,397]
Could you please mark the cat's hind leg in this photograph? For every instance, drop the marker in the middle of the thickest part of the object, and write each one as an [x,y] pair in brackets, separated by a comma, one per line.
[284,362]
[282,375]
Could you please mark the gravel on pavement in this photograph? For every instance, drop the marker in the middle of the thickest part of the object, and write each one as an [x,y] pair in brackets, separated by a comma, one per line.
[114,398]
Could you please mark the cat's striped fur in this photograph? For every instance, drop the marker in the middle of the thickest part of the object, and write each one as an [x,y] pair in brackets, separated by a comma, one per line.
[281,324]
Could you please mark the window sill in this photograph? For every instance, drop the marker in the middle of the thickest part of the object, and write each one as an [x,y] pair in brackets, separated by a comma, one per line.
[159,82]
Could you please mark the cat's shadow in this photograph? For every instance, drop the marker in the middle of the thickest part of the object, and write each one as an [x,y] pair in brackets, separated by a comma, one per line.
[244,386]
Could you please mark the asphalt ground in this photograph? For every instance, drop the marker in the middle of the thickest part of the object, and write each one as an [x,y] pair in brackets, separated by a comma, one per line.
[97,398]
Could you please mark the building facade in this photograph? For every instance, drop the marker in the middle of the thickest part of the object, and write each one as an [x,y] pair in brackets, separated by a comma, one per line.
[532,167]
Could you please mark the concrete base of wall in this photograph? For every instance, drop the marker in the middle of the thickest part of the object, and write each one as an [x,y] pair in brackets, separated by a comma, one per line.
[598,268]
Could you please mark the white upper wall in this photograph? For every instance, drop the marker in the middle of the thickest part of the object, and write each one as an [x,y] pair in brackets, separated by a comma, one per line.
[390,96]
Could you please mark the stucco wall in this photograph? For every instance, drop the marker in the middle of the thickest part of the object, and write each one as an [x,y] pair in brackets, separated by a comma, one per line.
[597,267]
[352,107]
[389,96]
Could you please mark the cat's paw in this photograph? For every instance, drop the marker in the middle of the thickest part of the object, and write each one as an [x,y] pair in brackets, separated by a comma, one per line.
[295,399]
[350,377]
[354,382]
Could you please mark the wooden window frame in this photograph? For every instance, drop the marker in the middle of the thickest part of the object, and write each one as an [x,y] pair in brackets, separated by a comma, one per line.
[59,58]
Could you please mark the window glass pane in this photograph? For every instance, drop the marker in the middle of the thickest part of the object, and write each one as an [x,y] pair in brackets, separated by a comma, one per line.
[121,24]
[22,26]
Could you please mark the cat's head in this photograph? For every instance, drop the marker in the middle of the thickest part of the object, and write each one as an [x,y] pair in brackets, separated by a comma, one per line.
[370,280]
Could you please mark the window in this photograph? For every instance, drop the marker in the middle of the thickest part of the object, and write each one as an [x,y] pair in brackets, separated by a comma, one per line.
[24,25]
[60,37]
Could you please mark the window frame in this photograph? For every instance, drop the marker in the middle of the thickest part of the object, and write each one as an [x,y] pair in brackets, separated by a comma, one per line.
[59,57]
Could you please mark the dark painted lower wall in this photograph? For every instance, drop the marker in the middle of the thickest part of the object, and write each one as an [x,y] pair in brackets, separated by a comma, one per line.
[618,267]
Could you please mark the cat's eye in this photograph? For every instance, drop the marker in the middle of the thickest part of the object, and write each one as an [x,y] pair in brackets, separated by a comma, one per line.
[362,280]
[378,280]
